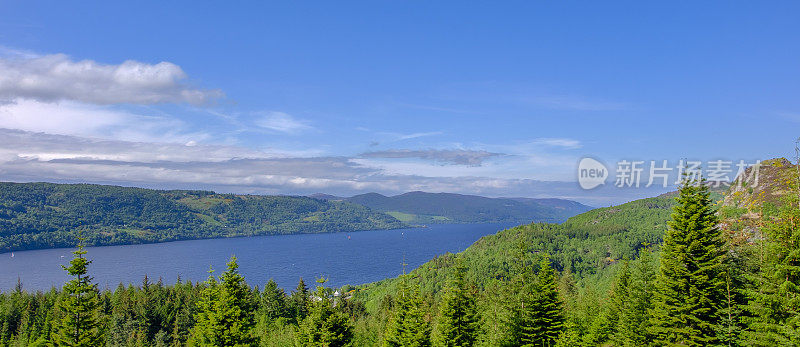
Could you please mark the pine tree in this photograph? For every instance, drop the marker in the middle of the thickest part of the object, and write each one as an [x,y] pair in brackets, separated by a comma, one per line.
[207,329]
[497,317]
[619,300]
[775,302]
[324,325]
[273,301]
[691,278]
[225,311]
[80,325]
[299,301]
[457,323]
[407,325]
[633,304]
[541,321]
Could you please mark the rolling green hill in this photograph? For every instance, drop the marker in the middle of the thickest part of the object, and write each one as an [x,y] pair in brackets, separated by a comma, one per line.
[585,244]
[46,215]
[428,208]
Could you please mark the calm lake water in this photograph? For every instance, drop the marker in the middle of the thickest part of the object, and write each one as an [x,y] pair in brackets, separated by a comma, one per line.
[365,256]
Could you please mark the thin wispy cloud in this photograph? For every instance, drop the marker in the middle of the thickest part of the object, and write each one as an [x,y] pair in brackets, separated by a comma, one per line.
[558,142]
[437,108]
[790,116]
[282,122]
[574,103]
[37,156]
[418,135]
[57,77]
[384,137]
[443,156]
[390,136]
[80,119]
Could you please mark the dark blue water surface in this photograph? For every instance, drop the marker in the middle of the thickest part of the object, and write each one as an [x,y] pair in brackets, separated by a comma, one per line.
[365,256]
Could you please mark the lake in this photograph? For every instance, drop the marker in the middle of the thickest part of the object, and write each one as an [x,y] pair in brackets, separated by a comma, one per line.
[343,258]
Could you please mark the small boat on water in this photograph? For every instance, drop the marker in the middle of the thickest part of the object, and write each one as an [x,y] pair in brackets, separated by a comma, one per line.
[12,254]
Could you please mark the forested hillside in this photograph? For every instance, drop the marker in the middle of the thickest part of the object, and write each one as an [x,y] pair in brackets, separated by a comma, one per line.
[658,271]
[45,215]
[427,208]
[584,245]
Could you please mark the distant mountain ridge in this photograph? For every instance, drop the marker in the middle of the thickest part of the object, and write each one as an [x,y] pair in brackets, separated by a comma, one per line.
[48,215]
[425,208]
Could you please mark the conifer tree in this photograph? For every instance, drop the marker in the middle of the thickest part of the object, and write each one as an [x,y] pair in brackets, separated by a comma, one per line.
[407,325]
[273,301]
[775,302]
[619,299]
[207,328]
[457,323]
[542,318]
[225,311]
[324,325]
[79,304]
[497,317]
[633,304]
[299,301]
[691,278]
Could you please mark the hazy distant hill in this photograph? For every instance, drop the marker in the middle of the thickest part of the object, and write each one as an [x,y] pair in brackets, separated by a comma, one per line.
[45,215]
[322,196]
[422,208]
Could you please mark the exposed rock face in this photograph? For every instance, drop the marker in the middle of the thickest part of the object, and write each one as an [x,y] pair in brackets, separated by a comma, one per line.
[752,194]
[766,183]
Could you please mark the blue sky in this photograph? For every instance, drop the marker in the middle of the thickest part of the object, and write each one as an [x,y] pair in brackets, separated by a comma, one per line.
[499,99]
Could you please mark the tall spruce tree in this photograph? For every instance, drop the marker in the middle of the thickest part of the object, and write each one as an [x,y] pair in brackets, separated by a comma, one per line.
[324,325]
[273,302]
[407,325]
[618,301]
[542,318]
[79,304]
[225,311]
[774,304]
[633,304]
[299,301]
[497,316]
[691,278]
[457,322]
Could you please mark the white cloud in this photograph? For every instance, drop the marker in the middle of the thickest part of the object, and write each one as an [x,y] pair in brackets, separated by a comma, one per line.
[73,118]
[28,156]
[401,136]
[282,122]
[56,77]
[558,142]
[417,135]
[444,156]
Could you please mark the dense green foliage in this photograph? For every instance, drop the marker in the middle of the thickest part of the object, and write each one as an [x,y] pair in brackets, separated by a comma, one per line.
[225,311]
[603,278]
[79,325]
[541,317]
[631,301]
[45,215]
[774,304]
[428,208]
[325,325]
[408,325]
[457,323]
[583,245]
[691,280]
